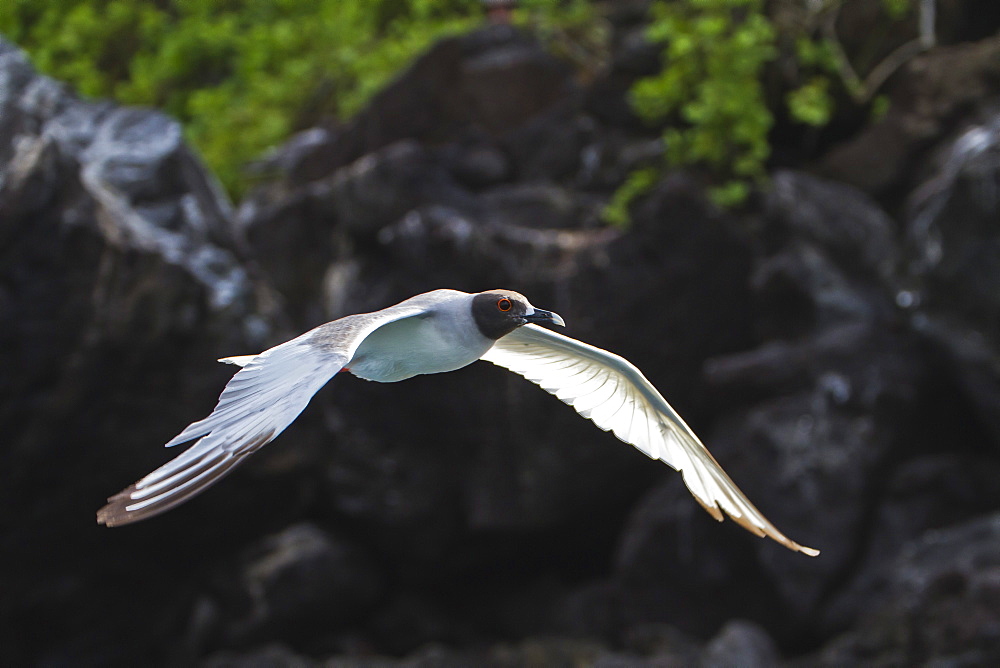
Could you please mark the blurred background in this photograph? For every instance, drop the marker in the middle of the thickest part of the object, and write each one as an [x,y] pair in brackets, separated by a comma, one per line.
[786,213]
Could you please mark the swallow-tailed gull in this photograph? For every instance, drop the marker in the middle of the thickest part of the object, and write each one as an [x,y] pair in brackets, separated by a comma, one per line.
[435,332]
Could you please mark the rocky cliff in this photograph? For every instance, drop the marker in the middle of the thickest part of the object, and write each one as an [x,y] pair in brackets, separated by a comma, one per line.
[836,343]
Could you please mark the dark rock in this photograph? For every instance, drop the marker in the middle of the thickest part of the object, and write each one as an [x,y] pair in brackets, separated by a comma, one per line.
[271,656]
[955,248]
[379,188]
[821,451]
[663,644]
[971,366]
[633,56]
[491,81]
[302,158]
[954,265]
[409,621]
[828,249]
[848,382]
[835,396]
[847,224]
[740,643]
[925,98]
[550,146]
[509,78]
[300,233]
[293,239]
[674,562]
[539,206]
[121,280]
[300,581]
[939,602]
[813,420]
[929,492]
[480,164]
[421,490]
[538,651]
[371,172]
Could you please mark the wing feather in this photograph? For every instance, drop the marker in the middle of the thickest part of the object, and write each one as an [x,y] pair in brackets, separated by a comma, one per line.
[259,402]
[593,380]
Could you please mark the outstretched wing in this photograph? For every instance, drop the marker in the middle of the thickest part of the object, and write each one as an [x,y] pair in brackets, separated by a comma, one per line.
[613,393]
[259,402]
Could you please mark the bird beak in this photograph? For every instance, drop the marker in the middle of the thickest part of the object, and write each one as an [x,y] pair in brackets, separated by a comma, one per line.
[541,315]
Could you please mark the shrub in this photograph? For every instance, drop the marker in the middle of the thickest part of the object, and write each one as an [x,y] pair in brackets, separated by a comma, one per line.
[710,95]
[241,75]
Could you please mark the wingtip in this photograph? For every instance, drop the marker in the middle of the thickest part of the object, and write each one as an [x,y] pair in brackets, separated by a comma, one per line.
[784,540]
[114,512]
[767,530]
[792,545]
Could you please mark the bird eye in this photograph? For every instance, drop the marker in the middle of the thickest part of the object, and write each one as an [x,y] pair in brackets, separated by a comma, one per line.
[503,304]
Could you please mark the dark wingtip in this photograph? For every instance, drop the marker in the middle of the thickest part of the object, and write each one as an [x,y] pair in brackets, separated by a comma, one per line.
[114,513]
[186,483]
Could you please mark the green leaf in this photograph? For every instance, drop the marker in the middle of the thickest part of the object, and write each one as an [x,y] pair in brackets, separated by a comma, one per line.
[811,103]
[710,90]
[638,183]
[730,194]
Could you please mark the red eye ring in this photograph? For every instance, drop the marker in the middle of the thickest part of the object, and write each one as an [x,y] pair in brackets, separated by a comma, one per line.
[504,304]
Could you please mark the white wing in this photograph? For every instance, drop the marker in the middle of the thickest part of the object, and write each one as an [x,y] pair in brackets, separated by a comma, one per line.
[613,393]
[259,402]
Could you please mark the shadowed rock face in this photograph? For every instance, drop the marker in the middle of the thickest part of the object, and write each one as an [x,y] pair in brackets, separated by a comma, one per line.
[838,361]
[120,276]
[937,601]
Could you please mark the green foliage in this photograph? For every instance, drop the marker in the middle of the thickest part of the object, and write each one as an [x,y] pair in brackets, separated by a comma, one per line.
[897,9]
[710,95]
[879,108]
[811,102]
[638,182]
[570,30]
[241,75]
[730,194]
[710,88]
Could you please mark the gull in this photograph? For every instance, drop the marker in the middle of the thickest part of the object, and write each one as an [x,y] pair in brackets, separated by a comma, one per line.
[434,332]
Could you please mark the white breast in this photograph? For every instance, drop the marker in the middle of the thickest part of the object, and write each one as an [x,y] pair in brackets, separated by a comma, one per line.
[444,339]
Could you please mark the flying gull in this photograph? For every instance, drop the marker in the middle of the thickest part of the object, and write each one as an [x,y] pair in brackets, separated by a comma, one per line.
[434,332]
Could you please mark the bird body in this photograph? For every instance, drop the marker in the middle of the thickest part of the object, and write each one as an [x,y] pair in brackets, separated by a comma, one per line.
[442,338]
[434,332]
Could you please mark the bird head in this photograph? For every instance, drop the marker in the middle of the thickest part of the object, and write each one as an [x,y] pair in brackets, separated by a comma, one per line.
[499,312]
